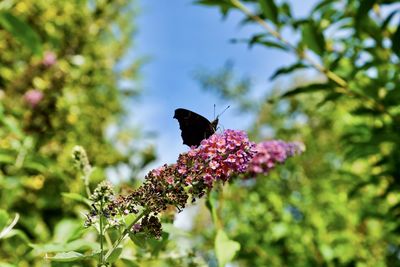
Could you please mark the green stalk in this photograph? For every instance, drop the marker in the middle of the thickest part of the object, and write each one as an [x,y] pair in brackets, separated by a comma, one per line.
[125,233]
[101,234]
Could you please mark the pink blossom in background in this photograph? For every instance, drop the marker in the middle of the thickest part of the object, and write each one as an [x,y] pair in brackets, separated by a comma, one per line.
[270,153]
[33,97]
[49,59]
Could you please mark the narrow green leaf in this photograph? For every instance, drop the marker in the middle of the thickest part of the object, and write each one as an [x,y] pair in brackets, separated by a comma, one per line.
[308,89]
[114,256]
[330,97]
[256,38]
[4,231]
[225,248]
[270,10]
[396,41]
[273,44]
[364,111]
[69,256]
[223,5]
[21,31]
[286,10]
[21,234]
[7,158]
[77,197]
[36,166]
[386,22]
[313,37]
[288,69]
[323,5]
[79,244]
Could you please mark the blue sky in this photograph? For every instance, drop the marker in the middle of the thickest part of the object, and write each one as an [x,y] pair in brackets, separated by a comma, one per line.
[180,38]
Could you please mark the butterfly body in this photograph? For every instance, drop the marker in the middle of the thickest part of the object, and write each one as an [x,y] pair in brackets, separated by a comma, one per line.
[194,127]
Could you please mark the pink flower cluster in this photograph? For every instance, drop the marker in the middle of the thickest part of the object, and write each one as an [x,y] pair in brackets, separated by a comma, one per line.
[49,59]
[33,97]
[222,156]
[217,158]
[269,153]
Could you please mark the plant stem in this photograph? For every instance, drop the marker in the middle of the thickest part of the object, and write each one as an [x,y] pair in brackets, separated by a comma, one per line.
[125,233]
[86,177]
[101,234]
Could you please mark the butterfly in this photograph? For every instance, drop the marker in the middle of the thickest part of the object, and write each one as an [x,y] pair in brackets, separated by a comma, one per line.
[194,127]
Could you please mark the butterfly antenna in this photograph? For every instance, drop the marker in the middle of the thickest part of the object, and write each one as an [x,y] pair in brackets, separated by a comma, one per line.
[223,111]
[214,111]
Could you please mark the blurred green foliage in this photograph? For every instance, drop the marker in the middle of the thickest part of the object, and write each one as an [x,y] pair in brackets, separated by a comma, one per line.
[338,204]
[59,88]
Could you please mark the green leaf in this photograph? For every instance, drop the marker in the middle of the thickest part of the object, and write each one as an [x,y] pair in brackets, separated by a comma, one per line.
[256,39]
[224,5]
[279,230]
[157,245]
[308,89]
[77,197]
[79,244]
[172,230]
[386,22]
[225,248]
[21,31]
[16,232]
[66,229]
[396,41]
[211,203]
[7,158]
[270,10]
[260,39]
[322,5]
[114,256]
[313,37]
[5,230]
[330,97]
[273,44]
[69,256]
[4,217]
[13,125]
[139,239]
[287,70]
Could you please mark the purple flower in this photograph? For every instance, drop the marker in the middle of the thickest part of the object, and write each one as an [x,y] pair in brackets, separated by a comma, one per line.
[33,97]
[49,59]
[218,157]
[221,157]
[136,227]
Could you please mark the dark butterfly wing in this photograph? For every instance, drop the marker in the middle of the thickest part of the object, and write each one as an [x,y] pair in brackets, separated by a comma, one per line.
[194,127]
